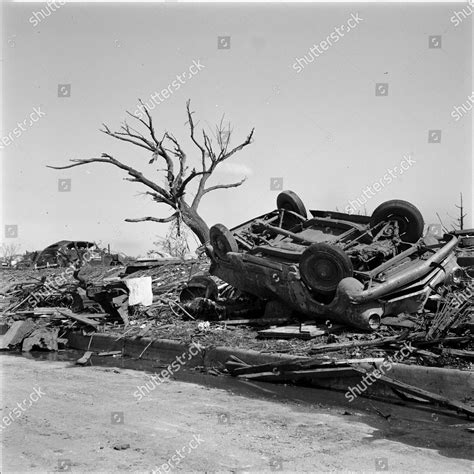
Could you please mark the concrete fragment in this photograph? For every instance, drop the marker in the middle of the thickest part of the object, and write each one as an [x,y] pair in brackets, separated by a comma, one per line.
[43,339]
[17,332]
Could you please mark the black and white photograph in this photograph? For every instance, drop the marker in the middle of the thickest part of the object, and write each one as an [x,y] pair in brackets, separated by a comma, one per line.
[236,237]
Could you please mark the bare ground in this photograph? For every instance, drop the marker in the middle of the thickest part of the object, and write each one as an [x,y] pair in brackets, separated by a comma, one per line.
[72,427]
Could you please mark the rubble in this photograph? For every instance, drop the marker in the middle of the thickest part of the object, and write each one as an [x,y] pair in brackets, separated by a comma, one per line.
[16,333]
[42,339]
[189,305]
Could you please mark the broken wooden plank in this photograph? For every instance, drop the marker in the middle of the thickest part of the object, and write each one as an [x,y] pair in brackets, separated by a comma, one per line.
[231,366]
[419,392]
[302,364]
[300,374]
[294,331]
[85,358]
[110,353]
[459,353]
[443,340]
[255,321]
[16,333]
[351,344]
[78,317]
[234,358]
[12,308]
[425,353]
[51,310]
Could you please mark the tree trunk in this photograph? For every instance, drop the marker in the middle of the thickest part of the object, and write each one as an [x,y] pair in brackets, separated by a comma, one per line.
[194,221]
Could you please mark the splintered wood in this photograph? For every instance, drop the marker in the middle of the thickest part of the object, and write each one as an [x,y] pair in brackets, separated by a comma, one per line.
[452,310]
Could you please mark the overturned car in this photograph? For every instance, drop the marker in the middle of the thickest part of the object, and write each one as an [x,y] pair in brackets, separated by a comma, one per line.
[348,268]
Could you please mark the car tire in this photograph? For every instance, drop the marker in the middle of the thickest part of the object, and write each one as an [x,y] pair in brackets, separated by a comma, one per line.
[199,286]
[222,241]
[409,218]
[291,201]
[323,266]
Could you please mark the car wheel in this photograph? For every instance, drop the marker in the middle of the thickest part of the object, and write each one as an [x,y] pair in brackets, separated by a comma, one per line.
[409,218]
[323,266]
[222,240]
[290,201]
[200,286]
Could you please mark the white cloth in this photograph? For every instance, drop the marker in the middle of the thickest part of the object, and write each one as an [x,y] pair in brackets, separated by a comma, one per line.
[139,291]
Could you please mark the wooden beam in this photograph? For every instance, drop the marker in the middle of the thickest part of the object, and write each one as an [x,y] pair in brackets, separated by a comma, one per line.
[329,372]
[350,344]
[304,364]
[419,392]
[77,317]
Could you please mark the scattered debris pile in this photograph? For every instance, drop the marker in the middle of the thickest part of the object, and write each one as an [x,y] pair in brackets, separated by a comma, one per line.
[183,295]
[90,298]
[24,289]
[442,338]
[318,368]
[185,304]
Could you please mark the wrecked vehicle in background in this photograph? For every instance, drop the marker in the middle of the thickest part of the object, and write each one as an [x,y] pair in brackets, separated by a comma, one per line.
[349,268]
[67,252]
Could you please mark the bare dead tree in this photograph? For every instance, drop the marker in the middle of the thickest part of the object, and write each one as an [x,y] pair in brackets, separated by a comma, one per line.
[460,219]
[8,252]
[178,176]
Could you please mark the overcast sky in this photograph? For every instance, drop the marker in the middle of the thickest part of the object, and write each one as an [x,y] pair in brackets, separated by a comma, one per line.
[326,129]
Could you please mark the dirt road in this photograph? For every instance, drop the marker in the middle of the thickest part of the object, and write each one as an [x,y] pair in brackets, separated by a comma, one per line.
[88,419]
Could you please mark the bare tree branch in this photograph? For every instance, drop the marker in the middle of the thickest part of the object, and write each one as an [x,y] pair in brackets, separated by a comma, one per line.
[126,138]
[154,219]
[247,141]
[137,175]
[213,149]
[193,138]
[224,186]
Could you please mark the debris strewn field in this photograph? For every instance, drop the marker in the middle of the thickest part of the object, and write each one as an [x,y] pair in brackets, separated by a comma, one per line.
[48,298]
